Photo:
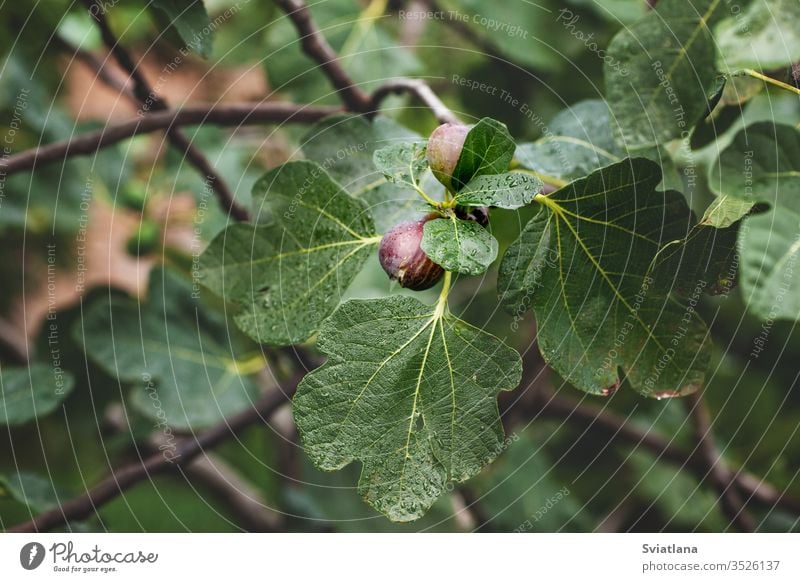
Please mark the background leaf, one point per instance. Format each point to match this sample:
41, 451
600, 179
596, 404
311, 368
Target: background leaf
577, 141
190, 19
762, 164
764, 37
769, 245
666, 73
28, 393
186, 368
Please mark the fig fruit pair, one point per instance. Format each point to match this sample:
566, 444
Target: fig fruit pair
400, 253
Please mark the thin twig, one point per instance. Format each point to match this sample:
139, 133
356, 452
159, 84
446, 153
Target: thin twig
98, 66
150, 101
233, 114
123, 478
317, 48
419, 89
472, 503
245, 503
721, 477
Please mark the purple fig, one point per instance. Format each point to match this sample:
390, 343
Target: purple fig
403, 259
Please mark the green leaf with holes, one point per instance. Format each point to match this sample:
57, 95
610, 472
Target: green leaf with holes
186, 365
661, 71
462, 246
402, 163
288, 273
582, 264
510, 190
411, 392
33, 392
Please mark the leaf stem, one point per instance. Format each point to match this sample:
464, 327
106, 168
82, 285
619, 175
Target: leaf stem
552, 180
755, 74
249, 365
427, 198
441, 303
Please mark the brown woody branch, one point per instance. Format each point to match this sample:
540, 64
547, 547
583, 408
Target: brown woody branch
149, 100
421, 91
317, 48
243, 501
613, 425
234, 114
125, 477
722, 478
98, 66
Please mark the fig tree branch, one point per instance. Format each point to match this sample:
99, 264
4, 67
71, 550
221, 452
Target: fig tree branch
722, 478
421, 91
317, 48
232, 114
150, 101
614, 426
244, 502
98, 66
125, 477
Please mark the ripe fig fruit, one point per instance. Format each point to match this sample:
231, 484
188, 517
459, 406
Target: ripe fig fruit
444, 149
403, 259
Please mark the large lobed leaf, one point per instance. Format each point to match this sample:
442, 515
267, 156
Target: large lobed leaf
410, 391
186, 368
582, 264
289, 273
661, 71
